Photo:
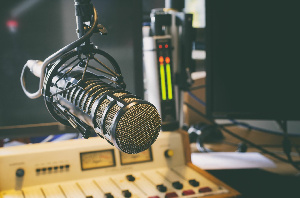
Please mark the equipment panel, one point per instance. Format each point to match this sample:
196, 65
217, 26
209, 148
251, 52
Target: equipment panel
92, 168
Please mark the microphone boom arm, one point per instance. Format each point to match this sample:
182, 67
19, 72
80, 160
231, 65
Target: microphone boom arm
84, 36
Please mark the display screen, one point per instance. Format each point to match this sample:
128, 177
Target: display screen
145, 156
252, 65
97, 159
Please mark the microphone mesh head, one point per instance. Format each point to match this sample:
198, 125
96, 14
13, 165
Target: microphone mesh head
133, 127
137, 129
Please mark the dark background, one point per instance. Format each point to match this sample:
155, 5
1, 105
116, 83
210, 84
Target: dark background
253, 60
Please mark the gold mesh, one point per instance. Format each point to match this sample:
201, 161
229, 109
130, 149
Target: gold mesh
101, 110
119, 94
138, 128
128, 100
100, 93
110, 117
88, 90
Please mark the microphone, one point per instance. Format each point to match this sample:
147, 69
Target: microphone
91, 102
84, 88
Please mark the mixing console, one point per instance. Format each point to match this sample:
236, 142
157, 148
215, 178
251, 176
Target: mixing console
94, 169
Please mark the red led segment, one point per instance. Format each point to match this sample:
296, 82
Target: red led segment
161, 59
160, 46
12, 23
188, 192
166, 45
205, 189
167, 60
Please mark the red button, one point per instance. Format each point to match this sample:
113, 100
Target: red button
188, 192
205, 189
171, 194
154, 197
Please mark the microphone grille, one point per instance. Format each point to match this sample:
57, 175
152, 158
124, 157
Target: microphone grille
133, 128
137, 129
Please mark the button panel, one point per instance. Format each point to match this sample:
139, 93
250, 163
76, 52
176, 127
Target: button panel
52, 169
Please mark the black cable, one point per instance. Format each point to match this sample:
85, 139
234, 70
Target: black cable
197, 87
234, 122
195, 110
241, 138
286, 143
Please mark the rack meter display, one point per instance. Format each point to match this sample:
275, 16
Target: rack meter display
97, 159
145, 156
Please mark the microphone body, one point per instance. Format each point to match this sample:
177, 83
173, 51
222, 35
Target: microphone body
92, 104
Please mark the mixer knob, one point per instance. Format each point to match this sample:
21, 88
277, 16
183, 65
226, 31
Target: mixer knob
177, 185
194, 182
130, 178
108, 195
161, 188
20, 172
126, 193
169, 153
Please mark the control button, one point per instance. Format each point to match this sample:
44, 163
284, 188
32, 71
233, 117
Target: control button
205, 189
55, 167
169, 153
61, 167
171, 195
44, 169
49, 168
89, 196
154, 197
37, 170
161, 188
126, 193
188, 192
20, 172
177, 185
108, 195
194, 182
67, 166
130, 178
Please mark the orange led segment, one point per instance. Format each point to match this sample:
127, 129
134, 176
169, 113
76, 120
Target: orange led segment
167, 60
161, 59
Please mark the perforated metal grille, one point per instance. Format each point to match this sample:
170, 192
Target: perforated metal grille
101, 110
100, 93
89, 100
119, 94
128, 100
110, 117
138, 128
88, 90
